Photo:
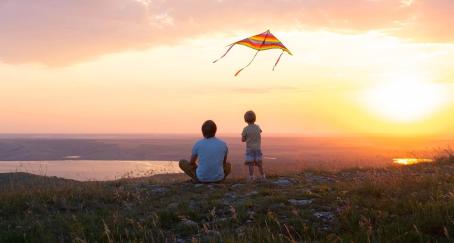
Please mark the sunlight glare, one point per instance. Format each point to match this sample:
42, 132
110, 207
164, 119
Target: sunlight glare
405, 99
410, 161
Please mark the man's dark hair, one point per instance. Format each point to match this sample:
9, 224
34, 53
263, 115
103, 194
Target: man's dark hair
209, 129
249, 117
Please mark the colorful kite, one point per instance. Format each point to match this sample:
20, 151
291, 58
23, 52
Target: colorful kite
260, 42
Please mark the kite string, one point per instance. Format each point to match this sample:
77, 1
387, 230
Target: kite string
263, 42
236, 74
224, 53
278, 59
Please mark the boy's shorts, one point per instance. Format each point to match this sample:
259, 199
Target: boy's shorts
253, 157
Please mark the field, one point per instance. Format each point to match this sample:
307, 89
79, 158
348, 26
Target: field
392, 204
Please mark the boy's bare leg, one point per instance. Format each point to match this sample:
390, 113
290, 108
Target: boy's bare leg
250, 178
188, 169
262, 174
251, 170
259, 164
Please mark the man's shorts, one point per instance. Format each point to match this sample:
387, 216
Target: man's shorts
253, 157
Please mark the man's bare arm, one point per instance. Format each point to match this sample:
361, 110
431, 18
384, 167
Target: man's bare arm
225, 158
193, 159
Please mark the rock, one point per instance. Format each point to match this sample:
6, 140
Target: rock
198, 185
230, 195
158, 189
240, 230
193, 205
251, 193
220, 220
283, 182
250, 214
302, 202
173, 206
277, 207
189, 223
236, 186
319, 179
307, 191
324, 216
211, 236
178, 240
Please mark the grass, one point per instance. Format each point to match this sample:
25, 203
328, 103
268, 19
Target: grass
394, 204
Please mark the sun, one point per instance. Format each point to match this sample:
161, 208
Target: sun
404, 99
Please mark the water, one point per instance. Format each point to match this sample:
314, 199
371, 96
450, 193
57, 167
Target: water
411, 161
85, 170
111, 157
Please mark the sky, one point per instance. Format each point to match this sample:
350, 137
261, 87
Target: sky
145, 66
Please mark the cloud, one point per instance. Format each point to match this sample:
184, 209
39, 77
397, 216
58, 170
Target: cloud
264, 90
62, 32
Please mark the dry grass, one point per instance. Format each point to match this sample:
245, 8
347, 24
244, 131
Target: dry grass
395, 204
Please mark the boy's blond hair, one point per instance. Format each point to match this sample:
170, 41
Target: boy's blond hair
249, 117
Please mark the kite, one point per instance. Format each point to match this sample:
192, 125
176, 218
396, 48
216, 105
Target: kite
260, 42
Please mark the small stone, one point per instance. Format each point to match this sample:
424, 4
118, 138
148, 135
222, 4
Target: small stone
251, 193
236, 186
283, 182
250, 214
158, 189
173, 206
189, 223
212, 234
324, 216
178, 240
193, 205
302, 202
198, 185
240, 230
277, 207
230, 195
319, 179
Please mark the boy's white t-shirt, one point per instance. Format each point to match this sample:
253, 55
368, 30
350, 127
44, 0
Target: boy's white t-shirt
252, 134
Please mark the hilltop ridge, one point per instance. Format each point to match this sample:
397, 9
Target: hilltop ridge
405, 204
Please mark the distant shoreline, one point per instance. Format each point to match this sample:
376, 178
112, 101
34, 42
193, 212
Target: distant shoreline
198, 135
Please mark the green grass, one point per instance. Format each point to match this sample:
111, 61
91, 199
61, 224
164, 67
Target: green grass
395, 204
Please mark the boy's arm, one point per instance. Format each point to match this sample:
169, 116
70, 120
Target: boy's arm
243, 136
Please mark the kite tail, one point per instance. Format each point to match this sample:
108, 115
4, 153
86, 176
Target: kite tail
263, 42
224, 53
278, 60
236, 74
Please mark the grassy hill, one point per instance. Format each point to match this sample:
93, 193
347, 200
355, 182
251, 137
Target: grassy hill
395, 204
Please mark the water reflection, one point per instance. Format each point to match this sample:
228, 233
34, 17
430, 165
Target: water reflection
410, 161
85, 170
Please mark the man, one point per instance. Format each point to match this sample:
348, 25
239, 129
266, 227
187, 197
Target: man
211, 154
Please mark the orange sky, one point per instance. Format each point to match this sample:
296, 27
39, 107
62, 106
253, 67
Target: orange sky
138, 66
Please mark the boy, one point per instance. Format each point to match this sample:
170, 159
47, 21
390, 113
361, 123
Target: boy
252, 136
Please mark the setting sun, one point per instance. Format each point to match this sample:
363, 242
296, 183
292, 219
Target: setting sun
405, 99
